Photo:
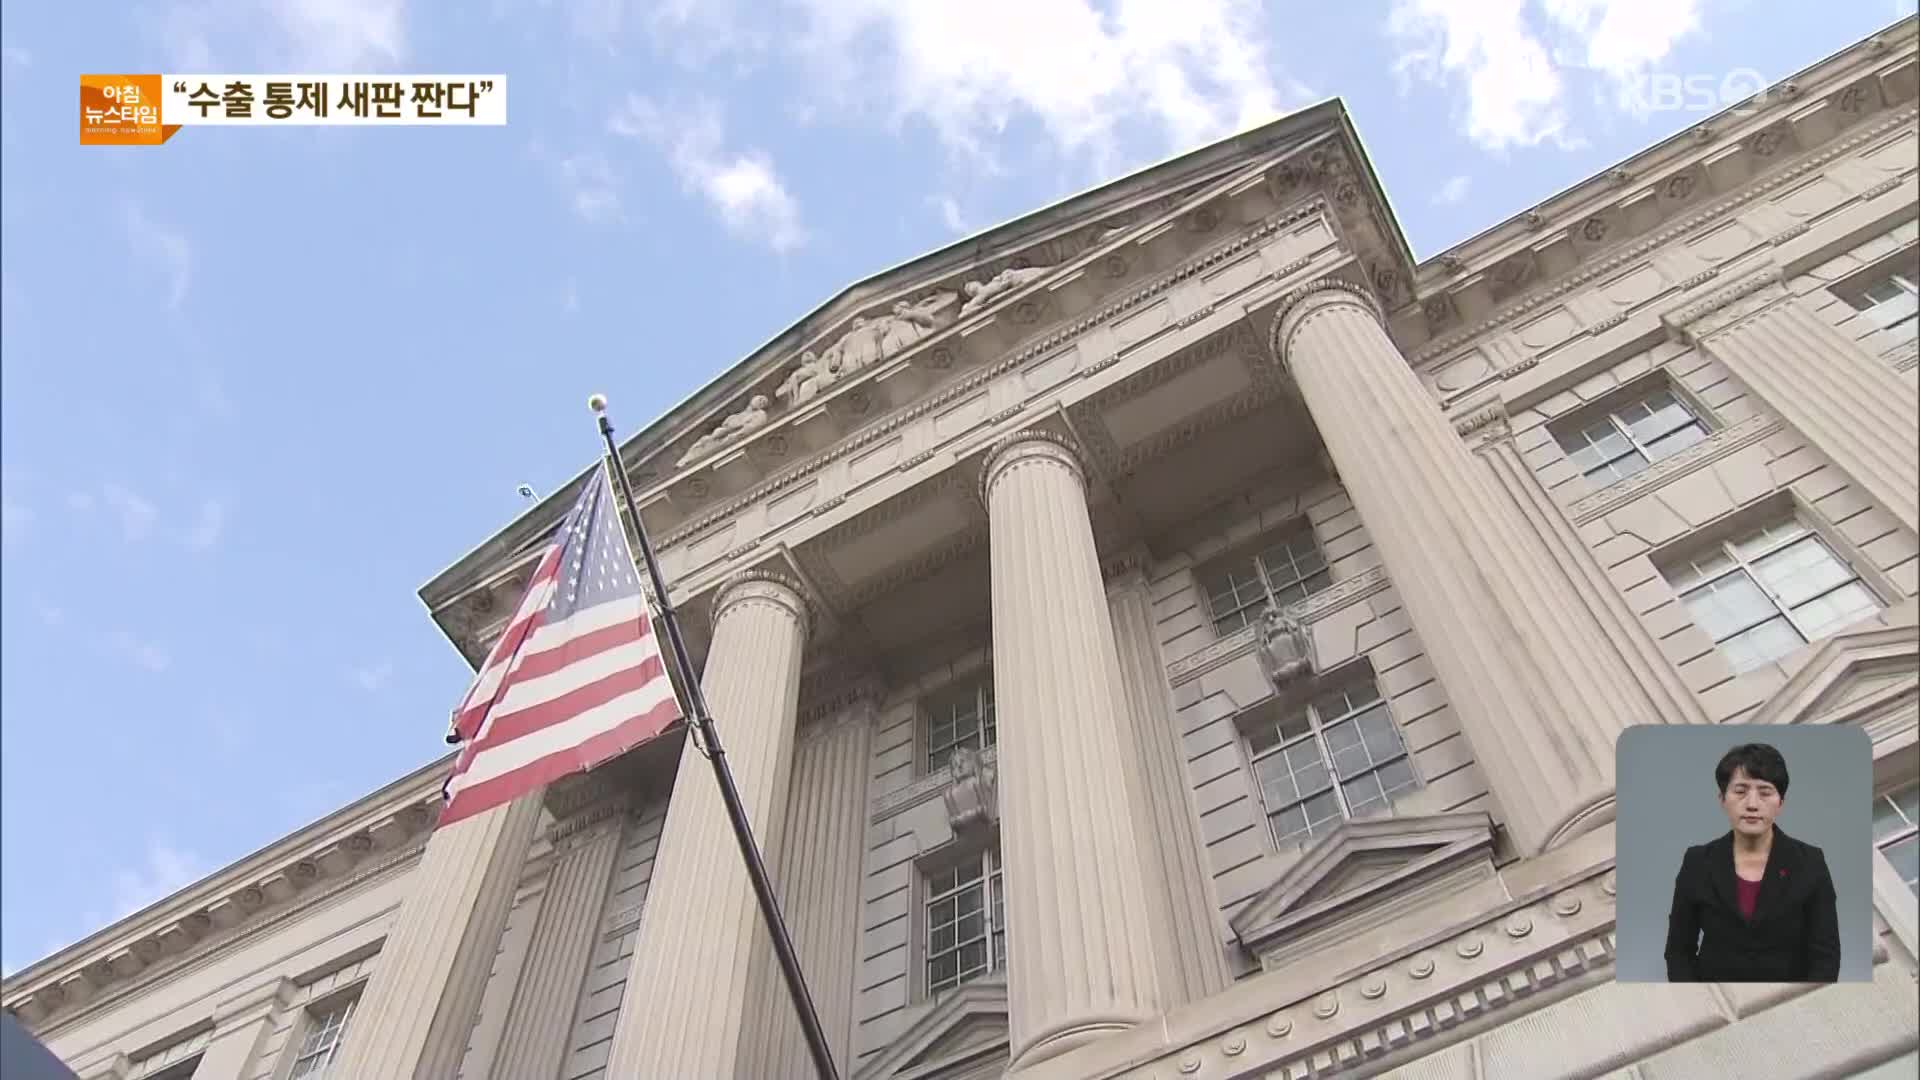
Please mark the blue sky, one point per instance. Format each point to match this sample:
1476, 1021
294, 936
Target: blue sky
257, 386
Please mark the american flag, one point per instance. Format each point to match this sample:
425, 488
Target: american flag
576, 679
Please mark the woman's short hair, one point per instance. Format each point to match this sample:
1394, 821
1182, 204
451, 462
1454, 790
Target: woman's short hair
1760, 762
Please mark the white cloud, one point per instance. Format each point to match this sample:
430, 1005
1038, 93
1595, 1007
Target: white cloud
570, 298
372, 678
165, 247
588, 181
1623, 40
1194, 71
742, 186
1513, 90
13, 56
144, 654
80, 501
208, 527
1452, 191
136, 513
343, 35
949, 213
164, 871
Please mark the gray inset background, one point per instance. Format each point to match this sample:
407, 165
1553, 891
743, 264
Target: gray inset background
1668, 802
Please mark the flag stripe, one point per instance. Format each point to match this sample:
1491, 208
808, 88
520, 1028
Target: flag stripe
592, 642
491, 761
622, 678
483, 795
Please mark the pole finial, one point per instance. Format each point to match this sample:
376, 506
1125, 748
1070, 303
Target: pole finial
598, 403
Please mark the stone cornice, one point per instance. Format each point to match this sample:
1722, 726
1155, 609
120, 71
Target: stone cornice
969, 384
1723, 307
281, 879
1749, 193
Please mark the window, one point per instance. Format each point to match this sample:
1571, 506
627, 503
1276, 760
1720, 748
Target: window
1347, 725
1764, 594
1888, 300
325, 1030
966, 922
1629, 435
182, 1070
960, 717
1288, 568
1895, 817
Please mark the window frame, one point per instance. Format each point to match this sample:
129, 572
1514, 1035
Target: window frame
1254, 552
987, 855
312, 1017
1725, 544
979, 684
1275, 713
1609, 407
1881, 312
1908, 831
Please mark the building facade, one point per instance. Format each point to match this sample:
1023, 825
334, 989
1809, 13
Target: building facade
1176, 634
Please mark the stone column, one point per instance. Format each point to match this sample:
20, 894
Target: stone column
1851, 407
240, 1027
1654, 676
687, 986
1186, 936
419, 1007
534, 1039
821, 865
1080, 964
1537, 685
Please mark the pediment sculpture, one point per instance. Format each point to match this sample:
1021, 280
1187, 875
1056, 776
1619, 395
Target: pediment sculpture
805, 381
982, 293
1286, 651
972, 798
751, 418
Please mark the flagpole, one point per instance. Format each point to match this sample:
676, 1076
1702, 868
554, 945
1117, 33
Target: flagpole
709, 739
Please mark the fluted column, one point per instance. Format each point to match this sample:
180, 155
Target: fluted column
1653, 675
1849, 406
534, 1039
418, 1009
820, 869
1079, 960
1185, 938
1539, 690
687, 986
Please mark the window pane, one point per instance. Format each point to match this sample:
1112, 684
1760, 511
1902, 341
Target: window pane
1289, 825
1323, 810
1763, 644
1397, 776
1836, 609
1276, 782
1801, 570
1887, 819
1905, 857
1727, 605
1383, 738
1908, 800
1755, 543
1671, 444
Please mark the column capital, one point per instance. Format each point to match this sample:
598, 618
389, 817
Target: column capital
1485, 424
1312, 297
1029, 445
766, 586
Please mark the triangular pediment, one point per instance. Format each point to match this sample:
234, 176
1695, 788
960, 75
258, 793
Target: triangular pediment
967, 1028
1851, 678
1359, 864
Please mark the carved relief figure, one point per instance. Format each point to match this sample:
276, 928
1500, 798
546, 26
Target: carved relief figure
751, 418
858, 349
972, 799
1285, 652
807, 379
912, 323
980, 294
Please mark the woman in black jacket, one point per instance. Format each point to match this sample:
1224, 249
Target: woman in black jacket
1755, 905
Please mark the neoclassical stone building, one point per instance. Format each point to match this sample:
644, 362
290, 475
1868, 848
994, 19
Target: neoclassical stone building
1177, 635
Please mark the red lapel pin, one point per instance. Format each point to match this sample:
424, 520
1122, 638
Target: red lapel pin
1783, 873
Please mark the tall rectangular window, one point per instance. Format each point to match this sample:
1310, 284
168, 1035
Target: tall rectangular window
966, 922
1626, 436
1896, 832
1339, 756
959, 717
1765, 593
1287, 567
326, 1028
